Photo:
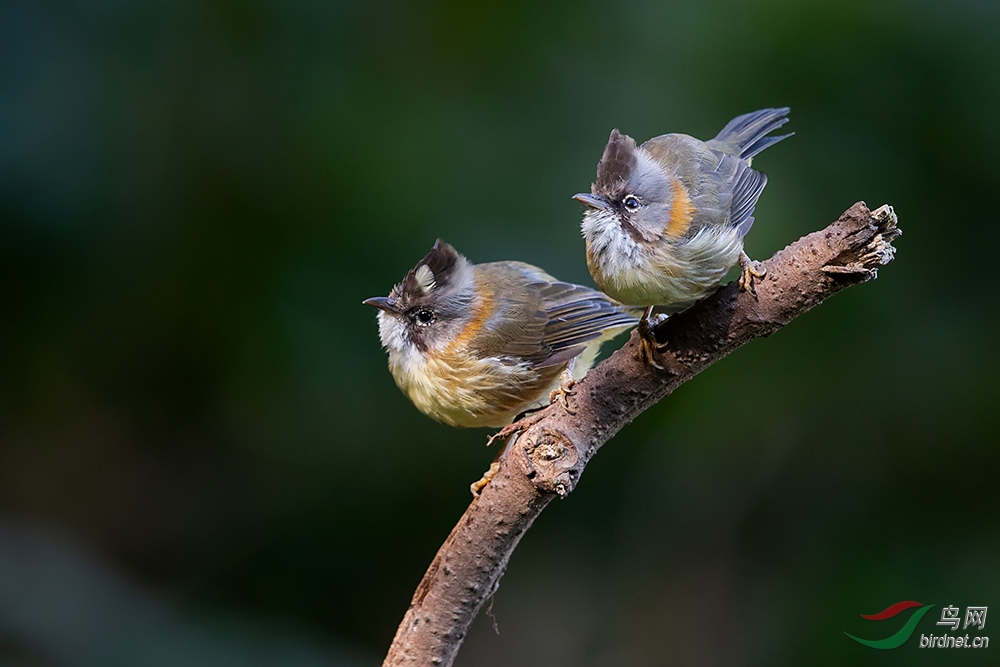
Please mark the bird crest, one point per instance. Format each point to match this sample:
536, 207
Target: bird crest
434, 272
617, 164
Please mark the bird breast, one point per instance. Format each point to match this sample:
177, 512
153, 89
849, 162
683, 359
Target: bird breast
663, 272
461, 390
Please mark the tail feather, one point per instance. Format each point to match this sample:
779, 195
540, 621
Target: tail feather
746, 135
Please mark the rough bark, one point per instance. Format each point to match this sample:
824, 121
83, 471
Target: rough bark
548, 456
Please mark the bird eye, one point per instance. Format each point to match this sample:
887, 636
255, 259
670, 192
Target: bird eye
631, 202
423, 317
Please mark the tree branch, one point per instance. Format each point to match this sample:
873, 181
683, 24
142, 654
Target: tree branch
546, 460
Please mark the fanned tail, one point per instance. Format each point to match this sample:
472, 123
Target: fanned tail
746, 135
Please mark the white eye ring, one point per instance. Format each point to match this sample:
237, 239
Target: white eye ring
424, 317
631, 202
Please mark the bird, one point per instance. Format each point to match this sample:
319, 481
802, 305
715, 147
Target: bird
475, 345
665, 220
478, 345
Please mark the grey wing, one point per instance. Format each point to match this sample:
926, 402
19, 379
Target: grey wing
544, 321
726, 190
577, 315
749, 184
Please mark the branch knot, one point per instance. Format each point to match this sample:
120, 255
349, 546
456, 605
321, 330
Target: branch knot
551, 459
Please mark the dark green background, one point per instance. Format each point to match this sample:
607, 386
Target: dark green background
204, 461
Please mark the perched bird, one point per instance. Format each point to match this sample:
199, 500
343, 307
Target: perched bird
666, 219
478, 344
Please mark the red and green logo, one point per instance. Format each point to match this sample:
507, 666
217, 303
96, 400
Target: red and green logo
899, 638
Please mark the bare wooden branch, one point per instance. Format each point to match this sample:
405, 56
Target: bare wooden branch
546, 460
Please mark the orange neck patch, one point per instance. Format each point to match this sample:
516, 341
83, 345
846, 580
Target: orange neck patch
681, 211
479, 316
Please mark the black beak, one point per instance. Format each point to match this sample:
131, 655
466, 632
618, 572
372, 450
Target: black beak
383, 303
592, 201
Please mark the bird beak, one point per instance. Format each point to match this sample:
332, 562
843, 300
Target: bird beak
383, 303
592, 201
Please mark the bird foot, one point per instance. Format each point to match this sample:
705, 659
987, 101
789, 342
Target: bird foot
480, 484
509, 433
648, 345
525, 420
564, 391
749, 270
504, 433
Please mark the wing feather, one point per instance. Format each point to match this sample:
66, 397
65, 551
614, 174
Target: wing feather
547, 322
578, 315
737, 186
746, 191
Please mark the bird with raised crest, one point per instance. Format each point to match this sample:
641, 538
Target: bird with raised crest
479, 344
666, 219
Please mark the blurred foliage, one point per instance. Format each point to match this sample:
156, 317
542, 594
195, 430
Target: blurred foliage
196, 196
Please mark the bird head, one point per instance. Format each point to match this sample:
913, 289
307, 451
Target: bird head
632, 194
430, 306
